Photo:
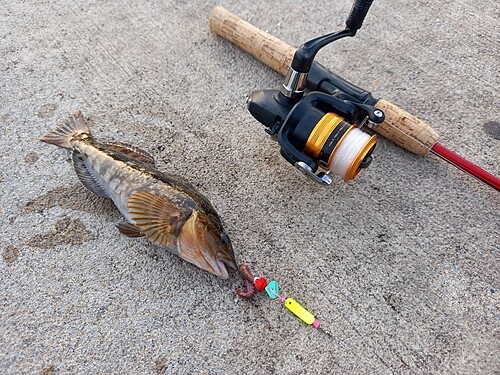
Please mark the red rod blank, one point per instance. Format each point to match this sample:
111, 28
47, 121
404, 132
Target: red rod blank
466, 166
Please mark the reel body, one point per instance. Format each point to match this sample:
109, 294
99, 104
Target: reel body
316, 116
322, 129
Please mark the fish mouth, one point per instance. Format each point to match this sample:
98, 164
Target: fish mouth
223, 274
219, 267
227, 266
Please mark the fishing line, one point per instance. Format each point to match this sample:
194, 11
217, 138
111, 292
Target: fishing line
347, 152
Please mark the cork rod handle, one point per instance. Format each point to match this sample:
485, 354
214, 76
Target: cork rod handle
399, 126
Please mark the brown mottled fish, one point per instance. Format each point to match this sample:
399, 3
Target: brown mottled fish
164, 208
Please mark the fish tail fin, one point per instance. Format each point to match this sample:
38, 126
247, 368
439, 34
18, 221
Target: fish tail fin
62, 135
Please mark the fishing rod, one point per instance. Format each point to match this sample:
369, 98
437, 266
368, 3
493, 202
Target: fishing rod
318, 118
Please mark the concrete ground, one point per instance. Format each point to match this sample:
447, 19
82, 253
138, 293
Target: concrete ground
401, 266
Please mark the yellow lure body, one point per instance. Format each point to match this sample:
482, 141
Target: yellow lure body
299, 311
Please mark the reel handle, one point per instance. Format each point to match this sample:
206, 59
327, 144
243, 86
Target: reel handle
399, 126
358, 13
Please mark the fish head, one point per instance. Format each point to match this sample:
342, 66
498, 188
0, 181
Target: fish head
203, 242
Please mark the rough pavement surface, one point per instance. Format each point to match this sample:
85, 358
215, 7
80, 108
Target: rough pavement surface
400, 265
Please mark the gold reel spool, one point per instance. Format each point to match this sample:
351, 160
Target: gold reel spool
339, 146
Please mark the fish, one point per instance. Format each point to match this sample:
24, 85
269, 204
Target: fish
164, 208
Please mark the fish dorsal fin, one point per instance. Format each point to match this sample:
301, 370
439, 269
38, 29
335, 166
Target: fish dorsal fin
86, 177
159, 220
132, 152
187, 187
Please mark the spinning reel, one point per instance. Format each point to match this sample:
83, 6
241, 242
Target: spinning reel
316, 116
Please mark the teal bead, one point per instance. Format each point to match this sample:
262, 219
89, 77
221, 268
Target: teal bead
272, 289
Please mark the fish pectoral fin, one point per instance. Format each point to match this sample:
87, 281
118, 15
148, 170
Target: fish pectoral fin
159, 220
132, 152
86, 178
129, 230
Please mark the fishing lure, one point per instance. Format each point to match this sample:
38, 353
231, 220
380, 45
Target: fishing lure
271, 287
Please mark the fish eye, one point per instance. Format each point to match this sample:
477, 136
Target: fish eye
224, 238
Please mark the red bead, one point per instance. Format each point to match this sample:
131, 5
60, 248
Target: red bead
260, 283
